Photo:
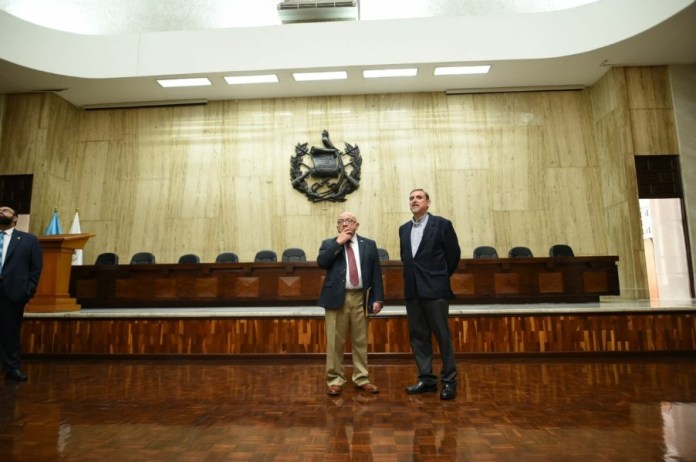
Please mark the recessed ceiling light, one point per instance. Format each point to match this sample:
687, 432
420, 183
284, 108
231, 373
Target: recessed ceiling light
377, 73
242, 79
306, 76
462, 70
195, 82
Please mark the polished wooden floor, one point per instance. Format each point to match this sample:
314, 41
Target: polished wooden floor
522, 409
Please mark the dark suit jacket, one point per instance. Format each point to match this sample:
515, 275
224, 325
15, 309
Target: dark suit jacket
22, 267
332, 258
435, 261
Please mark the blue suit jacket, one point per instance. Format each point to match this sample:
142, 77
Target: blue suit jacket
427, 273
332, 258
22, 266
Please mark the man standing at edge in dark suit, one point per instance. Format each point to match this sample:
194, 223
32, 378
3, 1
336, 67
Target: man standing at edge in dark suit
430, 254
352, 287
21, 264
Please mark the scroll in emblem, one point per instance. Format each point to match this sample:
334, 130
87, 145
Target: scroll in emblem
335, 174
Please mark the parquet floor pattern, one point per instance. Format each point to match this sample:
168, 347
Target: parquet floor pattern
529, 409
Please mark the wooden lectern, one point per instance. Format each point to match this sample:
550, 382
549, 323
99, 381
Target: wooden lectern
52, 293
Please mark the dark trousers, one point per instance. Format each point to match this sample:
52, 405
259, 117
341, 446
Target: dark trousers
11, 315
425, 318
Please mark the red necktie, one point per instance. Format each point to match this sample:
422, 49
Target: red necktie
352, 266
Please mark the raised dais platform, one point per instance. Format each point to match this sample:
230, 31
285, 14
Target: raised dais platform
610, 326
502, 306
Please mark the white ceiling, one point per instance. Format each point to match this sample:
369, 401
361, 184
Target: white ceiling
128, 16
94, 52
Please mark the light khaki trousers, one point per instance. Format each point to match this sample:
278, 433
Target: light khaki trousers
350, 316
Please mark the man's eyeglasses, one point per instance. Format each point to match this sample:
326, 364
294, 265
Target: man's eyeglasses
347, 221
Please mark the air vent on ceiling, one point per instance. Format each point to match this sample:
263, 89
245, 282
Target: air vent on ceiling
292, 11
145, 104
468, 91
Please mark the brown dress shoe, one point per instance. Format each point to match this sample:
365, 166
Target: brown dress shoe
334, 390
369, 387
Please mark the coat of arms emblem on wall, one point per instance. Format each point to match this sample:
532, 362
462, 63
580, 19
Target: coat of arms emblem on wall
334, 173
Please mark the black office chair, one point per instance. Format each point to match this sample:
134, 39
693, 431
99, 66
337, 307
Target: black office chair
265, 256
383, 254
561, 250
294, 254
485, 251
520, 252
107, 258
189, 258
227, 257
142, 258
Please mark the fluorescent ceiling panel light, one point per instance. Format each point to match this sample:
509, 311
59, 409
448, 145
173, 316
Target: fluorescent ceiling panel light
462, 70
195, 82
307, 76
243, 79
378, 73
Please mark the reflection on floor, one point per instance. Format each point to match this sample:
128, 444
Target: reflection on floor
531, 409
679, 426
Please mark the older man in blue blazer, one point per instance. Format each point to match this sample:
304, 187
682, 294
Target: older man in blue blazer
430, 254
352, 289
21, 263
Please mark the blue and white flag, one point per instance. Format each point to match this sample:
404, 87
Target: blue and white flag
75, 229
54, 225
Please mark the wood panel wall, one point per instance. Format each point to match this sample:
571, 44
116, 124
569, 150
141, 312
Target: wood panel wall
509, 334
530, 169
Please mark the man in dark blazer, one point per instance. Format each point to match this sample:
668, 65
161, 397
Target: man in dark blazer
21, 262
347, 297
430, 254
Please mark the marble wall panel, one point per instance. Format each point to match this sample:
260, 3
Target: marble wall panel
683, 85
509, 169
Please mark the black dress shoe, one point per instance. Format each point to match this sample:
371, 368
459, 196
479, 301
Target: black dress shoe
16, 374
449, 391
421, 387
